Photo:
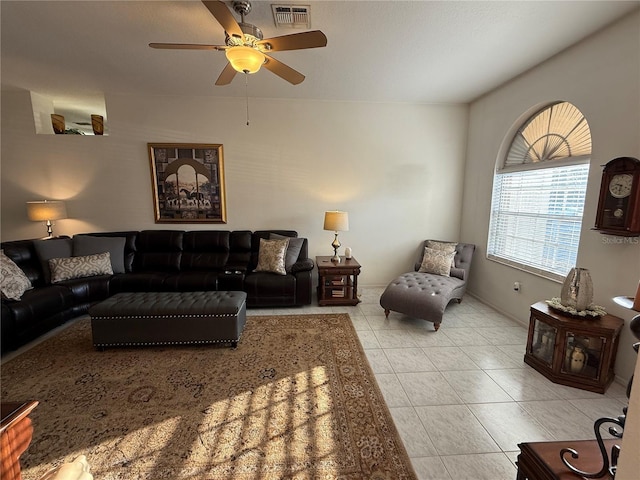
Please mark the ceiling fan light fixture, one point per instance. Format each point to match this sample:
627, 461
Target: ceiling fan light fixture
245, 59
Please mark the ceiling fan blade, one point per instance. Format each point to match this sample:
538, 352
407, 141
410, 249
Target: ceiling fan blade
187, 46
283, 71
295, 41
226, 76
224, 16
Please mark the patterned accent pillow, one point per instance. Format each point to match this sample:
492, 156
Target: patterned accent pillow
293, 249
13, 281
78, 267
271, 256
444, 246
437, 262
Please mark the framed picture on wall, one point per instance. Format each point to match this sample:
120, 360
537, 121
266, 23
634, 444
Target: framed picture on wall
188, 183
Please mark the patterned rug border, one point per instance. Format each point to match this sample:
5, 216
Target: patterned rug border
380, 442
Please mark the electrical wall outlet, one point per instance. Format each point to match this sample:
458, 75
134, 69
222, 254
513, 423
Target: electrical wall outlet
516, 286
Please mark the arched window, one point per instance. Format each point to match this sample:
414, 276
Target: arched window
538, 193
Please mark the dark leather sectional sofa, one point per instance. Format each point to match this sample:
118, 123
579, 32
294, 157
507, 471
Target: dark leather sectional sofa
155, 260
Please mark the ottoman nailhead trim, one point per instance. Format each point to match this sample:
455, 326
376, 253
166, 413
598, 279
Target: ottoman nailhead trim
186, 342
195, 315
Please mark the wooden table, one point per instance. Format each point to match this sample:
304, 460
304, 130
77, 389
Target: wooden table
15, 435
337, 281
541, 460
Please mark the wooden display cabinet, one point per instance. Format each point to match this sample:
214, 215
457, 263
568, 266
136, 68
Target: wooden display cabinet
574, 351
337, 282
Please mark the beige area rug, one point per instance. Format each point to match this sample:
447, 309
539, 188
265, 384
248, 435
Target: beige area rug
296, 400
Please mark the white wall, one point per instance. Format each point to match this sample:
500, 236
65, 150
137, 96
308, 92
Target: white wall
397, 169
601, 76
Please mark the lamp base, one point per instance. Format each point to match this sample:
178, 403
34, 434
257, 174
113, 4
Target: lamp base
336, 245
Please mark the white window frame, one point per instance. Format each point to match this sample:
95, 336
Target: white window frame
528, 229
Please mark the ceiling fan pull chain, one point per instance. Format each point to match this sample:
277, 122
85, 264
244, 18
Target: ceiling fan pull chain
246, 92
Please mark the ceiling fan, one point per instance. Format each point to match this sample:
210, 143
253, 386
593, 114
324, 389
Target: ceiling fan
245, 48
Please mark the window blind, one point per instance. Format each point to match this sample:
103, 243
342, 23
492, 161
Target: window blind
536, 218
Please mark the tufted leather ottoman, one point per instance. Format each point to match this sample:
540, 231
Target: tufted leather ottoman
421, 295
168, 318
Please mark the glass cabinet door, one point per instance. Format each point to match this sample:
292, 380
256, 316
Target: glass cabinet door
544, 341
583, 355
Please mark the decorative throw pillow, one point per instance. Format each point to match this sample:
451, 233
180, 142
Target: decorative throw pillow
293, 250
271, 256
91, 244
13, 281
444, 246
79, 267
51, 248
437, 262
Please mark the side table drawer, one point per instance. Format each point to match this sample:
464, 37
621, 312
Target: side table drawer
339, 271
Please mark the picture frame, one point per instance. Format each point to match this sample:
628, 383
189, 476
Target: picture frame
188, 182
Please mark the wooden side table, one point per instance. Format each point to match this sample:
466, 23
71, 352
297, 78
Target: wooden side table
15, 436
337, 282
541, 460
578, 352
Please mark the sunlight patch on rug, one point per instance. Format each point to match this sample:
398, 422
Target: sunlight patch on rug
296, 399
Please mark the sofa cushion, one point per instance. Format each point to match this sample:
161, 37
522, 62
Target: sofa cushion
293, 249
52, 248
265, 289
89, 244
79, 267
205, 250
39, 304
192, 281
130, 248
139, 282
158, 251
271, 256
437, 262
13, 281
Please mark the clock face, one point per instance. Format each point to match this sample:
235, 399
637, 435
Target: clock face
620, 185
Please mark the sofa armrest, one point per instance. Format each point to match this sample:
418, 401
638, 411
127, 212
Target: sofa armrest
302, 266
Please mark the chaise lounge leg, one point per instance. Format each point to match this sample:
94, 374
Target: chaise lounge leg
436, 326
386, 313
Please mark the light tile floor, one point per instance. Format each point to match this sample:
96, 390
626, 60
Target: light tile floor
462, 398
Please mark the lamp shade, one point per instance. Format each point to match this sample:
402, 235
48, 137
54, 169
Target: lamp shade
245, 59
336, 221
43, 210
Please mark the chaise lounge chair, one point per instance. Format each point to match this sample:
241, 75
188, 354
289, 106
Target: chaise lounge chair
426, 292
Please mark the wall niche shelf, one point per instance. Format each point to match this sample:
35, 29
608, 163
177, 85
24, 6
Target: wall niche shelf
82, 115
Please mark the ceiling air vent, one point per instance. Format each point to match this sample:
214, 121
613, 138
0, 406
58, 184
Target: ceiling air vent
291, 16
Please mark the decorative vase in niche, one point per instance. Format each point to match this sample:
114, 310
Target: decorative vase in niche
57, 122
577, 289
97, 123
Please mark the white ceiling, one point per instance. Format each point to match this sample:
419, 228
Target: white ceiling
380, 51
